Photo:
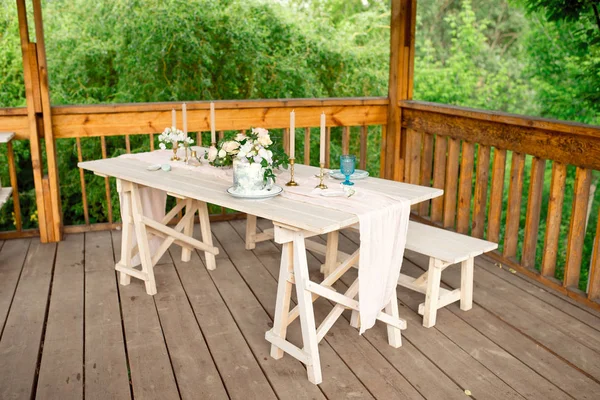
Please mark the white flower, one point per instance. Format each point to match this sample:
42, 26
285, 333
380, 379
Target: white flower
162, 146
265, 140
260, 132
266, 154
212, 154
257, 159
230, 146
222, 153
240, 136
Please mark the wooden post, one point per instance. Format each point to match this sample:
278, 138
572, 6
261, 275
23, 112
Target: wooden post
402, 46
40, 124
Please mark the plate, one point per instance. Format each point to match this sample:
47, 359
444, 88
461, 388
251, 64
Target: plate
358, 174
265, 194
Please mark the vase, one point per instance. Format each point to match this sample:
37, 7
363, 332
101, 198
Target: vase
248, 178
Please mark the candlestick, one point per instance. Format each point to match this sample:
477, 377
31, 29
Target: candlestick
292, 182
321, 185
292, 135
184, 112
213, 134
322, 139
173, 118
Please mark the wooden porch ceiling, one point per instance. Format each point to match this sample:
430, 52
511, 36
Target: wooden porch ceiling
67, 329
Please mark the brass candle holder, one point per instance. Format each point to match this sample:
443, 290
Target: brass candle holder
321, 185
292, 182
174, 157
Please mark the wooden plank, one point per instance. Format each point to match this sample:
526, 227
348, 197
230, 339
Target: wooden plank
106, 365
575, 240
451, 184
12, 258
481, 191
534, 205
12, 172
24, 329
364, 151
579, 146
87, 121
465, 188
496, 195
239, 370
594, 273
439, 176
16, 123
61, 368
426, 170
513, 212
555, 205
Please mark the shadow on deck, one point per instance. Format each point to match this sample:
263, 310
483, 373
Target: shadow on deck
69, 330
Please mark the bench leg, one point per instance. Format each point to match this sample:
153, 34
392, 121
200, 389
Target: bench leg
466, 284
250, 232
432, 295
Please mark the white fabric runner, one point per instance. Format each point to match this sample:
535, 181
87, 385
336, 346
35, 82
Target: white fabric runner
383, 223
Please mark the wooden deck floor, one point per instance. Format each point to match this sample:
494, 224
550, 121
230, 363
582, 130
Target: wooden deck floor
68, 331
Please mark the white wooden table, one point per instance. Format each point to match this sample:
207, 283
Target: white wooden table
294, 221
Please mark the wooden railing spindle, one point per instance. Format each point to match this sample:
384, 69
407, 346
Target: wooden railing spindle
481, 188
413, 162
534, 205
465, 188
451, 187
439, 176
496, 195
513, 213
12, 172
426, 169
127, 144
555, 205
307, 146
594, 273
346, 140
86, 211
106, 182
152, 142
363, 147
583, 180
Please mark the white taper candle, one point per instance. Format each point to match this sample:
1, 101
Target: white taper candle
184, 112
292, 134
213, 134
322, 138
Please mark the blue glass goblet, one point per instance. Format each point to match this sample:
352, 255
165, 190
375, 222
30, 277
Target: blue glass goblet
347, 166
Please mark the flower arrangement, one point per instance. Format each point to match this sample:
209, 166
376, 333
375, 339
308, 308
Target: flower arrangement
257, 147
173, 136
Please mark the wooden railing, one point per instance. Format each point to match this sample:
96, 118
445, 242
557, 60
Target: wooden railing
466, 152
114, 129
505, 177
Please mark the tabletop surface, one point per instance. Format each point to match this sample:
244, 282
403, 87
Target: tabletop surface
314, 218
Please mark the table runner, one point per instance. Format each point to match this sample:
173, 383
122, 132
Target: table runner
383, 224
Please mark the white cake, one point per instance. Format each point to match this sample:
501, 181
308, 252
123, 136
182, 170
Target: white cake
248, 178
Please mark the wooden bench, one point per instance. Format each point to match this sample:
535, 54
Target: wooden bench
5, 192
444, 248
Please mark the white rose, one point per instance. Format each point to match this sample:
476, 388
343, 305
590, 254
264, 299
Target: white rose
260, 132
212, 154
222, 153
162, 146
240, 136
230, 146
257, 159
265, 140
266, 155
